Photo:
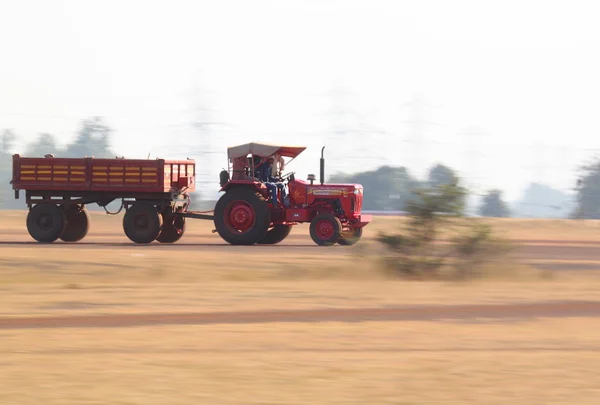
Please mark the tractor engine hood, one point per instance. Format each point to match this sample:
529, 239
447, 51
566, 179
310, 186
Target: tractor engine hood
335, 189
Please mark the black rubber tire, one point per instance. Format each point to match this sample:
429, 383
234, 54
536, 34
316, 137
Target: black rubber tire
350, 238
336, 229
46, 222
173, 228
276, 234
142, 223
255, 203
78, 224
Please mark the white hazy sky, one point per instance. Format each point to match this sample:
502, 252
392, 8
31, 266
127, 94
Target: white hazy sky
523, 74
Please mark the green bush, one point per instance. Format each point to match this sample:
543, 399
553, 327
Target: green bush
438, 241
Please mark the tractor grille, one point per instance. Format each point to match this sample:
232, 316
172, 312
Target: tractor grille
357, 204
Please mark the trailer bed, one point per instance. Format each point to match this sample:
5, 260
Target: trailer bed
102, 175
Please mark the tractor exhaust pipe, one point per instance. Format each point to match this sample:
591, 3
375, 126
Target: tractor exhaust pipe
322, 174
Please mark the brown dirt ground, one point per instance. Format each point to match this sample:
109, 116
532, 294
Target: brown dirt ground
106, 260
419, 313
106, 321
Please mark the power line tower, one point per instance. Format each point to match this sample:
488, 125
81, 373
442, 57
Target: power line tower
472, 154
341, 116
471, 173
205, 148
349, 135
416, 137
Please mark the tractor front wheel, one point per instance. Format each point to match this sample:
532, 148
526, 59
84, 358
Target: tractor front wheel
173, 228
142, 223
325, 229
78, 224
350, 237
46, 222
276, 234
242, 216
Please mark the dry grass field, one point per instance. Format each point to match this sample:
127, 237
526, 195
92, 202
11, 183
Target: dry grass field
545, 360
536, 362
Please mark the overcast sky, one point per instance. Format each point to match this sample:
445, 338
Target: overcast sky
521, 74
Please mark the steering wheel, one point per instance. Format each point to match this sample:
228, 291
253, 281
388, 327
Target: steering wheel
287, 176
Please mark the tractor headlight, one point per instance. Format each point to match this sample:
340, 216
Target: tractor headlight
358, 191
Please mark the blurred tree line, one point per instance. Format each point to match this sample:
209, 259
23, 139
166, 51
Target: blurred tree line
386, 189
588, 192
393, 189
92, 139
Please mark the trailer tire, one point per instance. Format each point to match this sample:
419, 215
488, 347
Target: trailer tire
142, 223
173, 228
325, 229
46, 222
276, 234
242, 216
78, 224
350, 238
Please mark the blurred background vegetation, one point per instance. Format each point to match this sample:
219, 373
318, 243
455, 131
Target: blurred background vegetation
387, 188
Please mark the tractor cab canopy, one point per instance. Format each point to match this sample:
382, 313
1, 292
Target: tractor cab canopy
263, 150
247, 156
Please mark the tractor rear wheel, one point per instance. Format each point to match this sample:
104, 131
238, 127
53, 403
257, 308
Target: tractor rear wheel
46, 222
325, 229
78, 223
142, 223
350, 237
242, 217
173, 228
276, 234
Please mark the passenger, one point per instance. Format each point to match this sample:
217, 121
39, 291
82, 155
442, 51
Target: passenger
278, 166
265, 175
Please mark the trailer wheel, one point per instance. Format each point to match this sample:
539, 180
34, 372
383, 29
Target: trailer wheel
46, 222
325, 229
351, 237
242, 217
142, 223
78, 224
276, 234
173, 228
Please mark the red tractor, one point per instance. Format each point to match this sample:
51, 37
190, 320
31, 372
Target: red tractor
246, 213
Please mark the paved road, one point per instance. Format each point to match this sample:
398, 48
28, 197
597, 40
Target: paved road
420, 313
535, 250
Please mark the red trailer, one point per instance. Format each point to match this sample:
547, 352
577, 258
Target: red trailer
58, 189
156, 196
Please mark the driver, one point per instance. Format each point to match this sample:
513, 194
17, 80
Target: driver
265, 175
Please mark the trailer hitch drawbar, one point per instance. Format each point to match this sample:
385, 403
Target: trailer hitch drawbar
196, 215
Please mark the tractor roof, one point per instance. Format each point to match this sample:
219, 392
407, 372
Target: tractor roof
263, 150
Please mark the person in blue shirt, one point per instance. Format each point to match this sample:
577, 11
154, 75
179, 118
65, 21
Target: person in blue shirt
264, 174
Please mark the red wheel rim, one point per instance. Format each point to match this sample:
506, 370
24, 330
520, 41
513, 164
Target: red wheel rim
325, 229
239, 216
178, 225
